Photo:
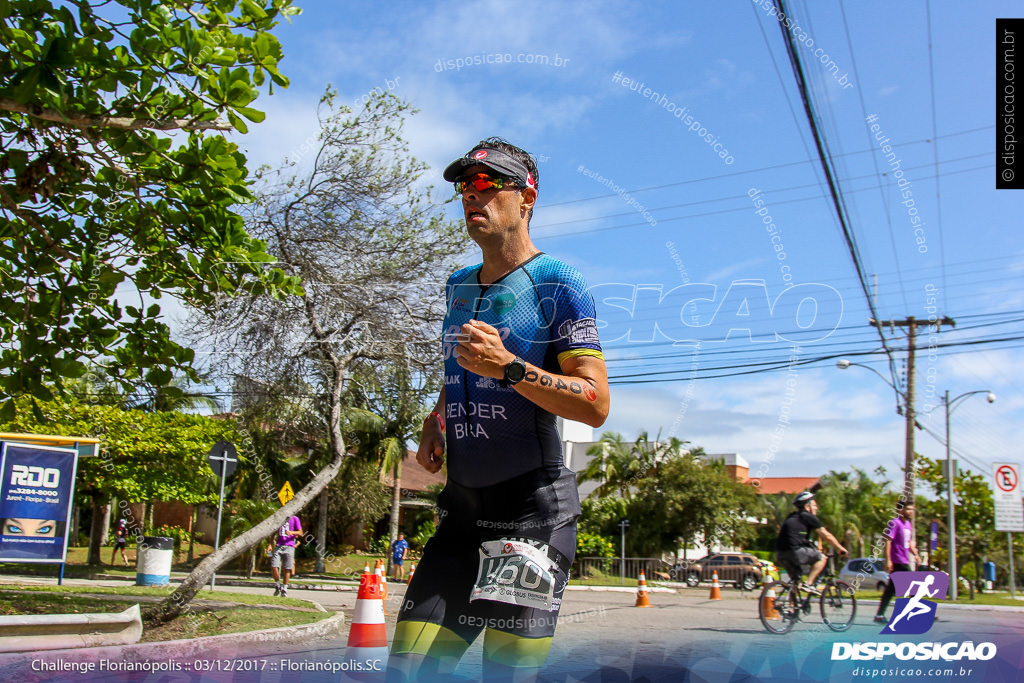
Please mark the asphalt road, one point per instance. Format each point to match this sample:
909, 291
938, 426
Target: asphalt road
714, 640
602, 636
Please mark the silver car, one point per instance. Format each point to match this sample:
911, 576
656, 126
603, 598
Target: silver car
865, 572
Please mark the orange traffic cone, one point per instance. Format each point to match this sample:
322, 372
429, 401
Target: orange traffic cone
641, 592
379, 571
368, 637
366, 567
768, 605
716, 589
412, 570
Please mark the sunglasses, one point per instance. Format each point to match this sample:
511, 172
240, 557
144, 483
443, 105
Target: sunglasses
483, 181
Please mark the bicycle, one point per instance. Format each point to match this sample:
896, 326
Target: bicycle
836, 602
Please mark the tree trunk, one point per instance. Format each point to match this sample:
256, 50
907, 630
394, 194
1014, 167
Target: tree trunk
321, 534
107, 511
192, 534
396, 503
150, 509
97, 530
75, 519
175, 603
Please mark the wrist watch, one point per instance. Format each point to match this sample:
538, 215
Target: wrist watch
514, 372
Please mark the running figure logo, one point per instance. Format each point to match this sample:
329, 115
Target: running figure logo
914, 613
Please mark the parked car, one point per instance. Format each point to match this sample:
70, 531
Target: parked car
739, 569
865, 572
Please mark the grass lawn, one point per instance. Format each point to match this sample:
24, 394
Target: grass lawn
161, 592
198, 622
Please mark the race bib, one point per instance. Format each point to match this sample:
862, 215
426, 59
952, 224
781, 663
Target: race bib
517, 572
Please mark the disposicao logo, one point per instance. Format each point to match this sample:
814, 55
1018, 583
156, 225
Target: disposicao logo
914, 613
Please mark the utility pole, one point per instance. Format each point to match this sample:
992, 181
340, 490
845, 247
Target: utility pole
911, 324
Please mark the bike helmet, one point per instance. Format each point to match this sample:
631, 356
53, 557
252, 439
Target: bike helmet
803, 499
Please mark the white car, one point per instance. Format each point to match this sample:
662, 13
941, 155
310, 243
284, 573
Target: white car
865, 572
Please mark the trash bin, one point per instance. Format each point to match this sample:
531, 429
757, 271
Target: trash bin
988, 570
153, 563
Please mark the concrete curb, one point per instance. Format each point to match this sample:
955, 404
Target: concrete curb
166, 651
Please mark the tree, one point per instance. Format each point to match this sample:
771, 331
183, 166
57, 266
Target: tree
143, 456
113, 172
618, 465
364, 241
975, 512
670, 494
394, 399
854, 507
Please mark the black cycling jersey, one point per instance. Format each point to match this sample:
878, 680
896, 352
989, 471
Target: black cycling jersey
795, 529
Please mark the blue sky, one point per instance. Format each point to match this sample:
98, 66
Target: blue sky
642, 202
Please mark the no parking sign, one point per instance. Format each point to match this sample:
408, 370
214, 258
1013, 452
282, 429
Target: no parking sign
1009, 509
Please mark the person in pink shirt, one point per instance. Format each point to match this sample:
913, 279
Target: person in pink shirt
282, 560
899, 548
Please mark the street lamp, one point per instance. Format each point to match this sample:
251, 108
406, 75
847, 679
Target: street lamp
908, 413
950, 405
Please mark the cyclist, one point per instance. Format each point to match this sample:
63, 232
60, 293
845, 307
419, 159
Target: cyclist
794, 547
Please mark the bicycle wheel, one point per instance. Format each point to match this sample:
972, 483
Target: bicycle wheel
778, 614
838, 605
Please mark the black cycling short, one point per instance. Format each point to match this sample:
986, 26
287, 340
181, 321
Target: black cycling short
792, 560
500, 560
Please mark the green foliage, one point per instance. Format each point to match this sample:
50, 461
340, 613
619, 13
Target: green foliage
855, 508
357, 496
143, 456
619, 465
179, 535
96, 195
671, 496
686, 499
380, 546
976, 536
601, 516
592, 545
423, 533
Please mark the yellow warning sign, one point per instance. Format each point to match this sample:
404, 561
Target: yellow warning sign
286, 493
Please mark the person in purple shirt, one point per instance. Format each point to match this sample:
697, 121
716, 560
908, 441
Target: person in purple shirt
282, 559
899, 548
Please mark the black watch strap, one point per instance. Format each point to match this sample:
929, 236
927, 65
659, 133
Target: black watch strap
514, 372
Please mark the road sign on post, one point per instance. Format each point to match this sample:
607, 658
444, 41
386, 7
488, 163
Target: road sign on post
1006, 495
223, 459
286, 493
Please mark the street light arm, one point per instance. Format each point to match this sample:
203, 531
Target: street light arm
953, 403
843, 364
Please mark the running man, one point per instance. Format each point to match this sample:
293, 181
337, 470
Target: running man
520, 347
794, 548
120, 541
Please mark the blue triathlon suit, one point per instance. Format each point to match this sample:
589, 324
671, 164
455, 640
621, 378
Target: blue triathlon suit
506, 475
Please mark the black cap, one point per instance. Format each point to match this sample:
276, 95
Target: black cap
495, 160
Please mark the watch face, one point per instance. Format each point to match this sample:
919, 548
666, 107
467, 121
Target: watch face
515, 371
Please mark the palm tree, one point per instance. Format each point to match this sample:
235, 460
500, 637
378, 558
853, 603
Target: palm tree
619, 465
171, 397
246, 514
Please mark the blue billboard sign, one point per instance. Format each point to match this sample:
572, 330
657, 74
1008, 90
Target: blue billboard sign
37, 485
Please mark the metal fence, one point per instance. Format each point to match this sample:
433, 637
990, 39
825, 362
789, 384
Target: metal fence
618, 571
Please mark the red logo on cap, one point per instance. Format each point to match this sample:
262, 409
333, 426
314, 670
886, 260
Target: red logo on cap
507, 549
480, 154
529, 179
